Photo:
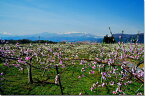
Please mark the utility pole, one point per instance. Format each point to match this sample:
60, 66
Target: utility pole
110, 31
122, 36
137, 37
39, 38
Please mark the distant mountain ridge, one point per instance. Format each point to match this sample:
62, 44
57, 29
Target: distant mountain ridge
71, 37
128, 37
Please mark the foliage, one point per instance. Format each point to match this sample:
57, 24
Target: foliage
107, 39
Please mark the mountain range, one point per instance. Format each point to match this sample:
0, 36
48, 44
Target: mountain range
57, 37
128, 37
70, 37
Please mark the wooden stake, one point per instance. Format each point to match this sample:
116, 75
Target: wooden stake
59, 80
30, 80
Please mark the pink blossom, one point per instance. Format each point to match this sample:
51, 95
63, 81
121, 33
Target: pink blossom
141, 74
27, 58
103, 84
82, 62
66, 58
83, 75
119, 84
125, 84
103, 75
91, 72
6, 64
125, 62
17, 44
20, 61
63, 66
91, 88
97, 59
79, 76
16, 65
121, 57
52, 60
119, 43
110, 61
94, 63
55, 53
114, 92
120, 90
129, 82
94, 67
60, 62
50, 50
111, 83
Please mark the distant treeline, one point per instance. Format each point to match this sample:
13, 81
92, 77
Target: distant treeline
25, 41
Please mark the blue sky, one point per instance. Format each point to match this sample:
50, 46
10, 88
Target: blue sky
91, 16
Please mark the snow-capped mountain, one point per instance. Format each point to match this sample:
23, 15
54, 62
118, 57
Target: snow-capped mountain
57, 37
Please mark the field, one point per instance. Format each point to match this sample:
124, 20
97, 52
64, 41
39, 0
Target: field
83, 69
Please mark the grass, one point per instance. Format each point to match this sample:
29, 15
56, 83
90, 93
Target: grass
16, 83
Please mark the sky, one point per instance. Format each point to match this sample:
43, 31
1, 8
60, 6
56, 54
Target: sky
23, 17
